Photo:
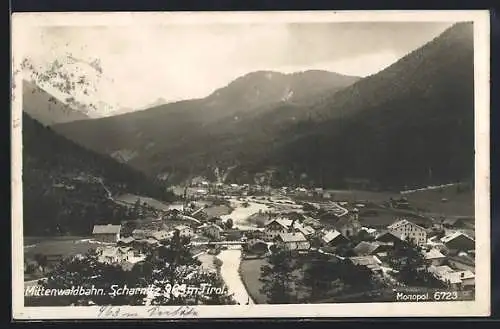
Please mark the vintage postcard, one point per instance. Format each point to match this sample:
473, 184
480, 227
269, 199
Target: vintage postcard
257, 164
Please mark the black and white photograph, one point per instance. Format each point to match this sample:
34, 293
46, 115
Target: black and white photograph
176, 165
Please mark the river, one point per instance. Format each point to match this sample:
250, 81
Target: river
231, 259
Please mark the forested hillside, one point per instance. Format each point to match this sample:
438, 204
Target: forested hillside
409, 125
64, 185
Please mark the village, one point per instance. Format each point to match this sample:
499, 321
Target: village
242, 225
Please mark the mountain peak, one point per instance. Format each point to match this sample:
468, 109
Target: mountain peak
257, 88
78, 83
46, 108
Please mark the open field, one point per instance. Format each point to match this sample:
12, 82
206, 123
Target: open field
382, 217
250, 274
218, 211
358, 195
130, 199
424, 204
458, 204
445, 201
67, 246
31, 240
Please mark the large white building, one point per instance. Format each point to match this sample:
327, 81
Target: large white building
275, 227
407, 230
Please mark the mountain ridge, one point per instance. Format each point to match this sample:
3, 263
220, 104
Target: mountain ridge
434, 100
133, 132
420, 100
429, 92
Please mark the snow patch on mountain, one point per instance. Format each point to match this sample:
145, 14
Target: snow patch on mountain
124, 155
77, 83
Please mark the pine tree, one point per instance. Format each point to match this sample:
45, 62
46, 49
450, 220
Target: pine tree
229, 223
278, 278
317, 277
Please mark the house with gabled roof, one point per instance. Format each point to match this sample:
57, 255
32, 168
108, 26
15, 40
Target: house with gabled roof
162, 235
452, 278
333, 238
434, 256
107, 255
141, 233
212, 231
463, 262
114, 254
293, 241
275, 227
409, 231
126, 241
388, 237
371, 262
458, 241
106, 233
306, 230
184, 230
366, 248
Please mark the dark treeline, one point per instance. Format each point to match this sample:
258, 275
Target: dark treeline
410, 125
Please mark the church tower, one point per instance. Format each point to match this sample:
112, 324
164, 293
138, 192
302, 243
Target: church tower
355, 214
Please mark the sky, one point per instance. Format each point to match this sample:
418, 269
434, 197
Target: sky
144, 63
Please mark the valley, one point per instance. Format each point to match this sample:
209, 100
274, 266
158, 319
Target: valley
259, 186
381, 129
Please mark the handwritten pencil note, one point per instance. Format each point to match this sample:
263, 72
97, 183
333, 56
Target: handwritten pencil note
117, 312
